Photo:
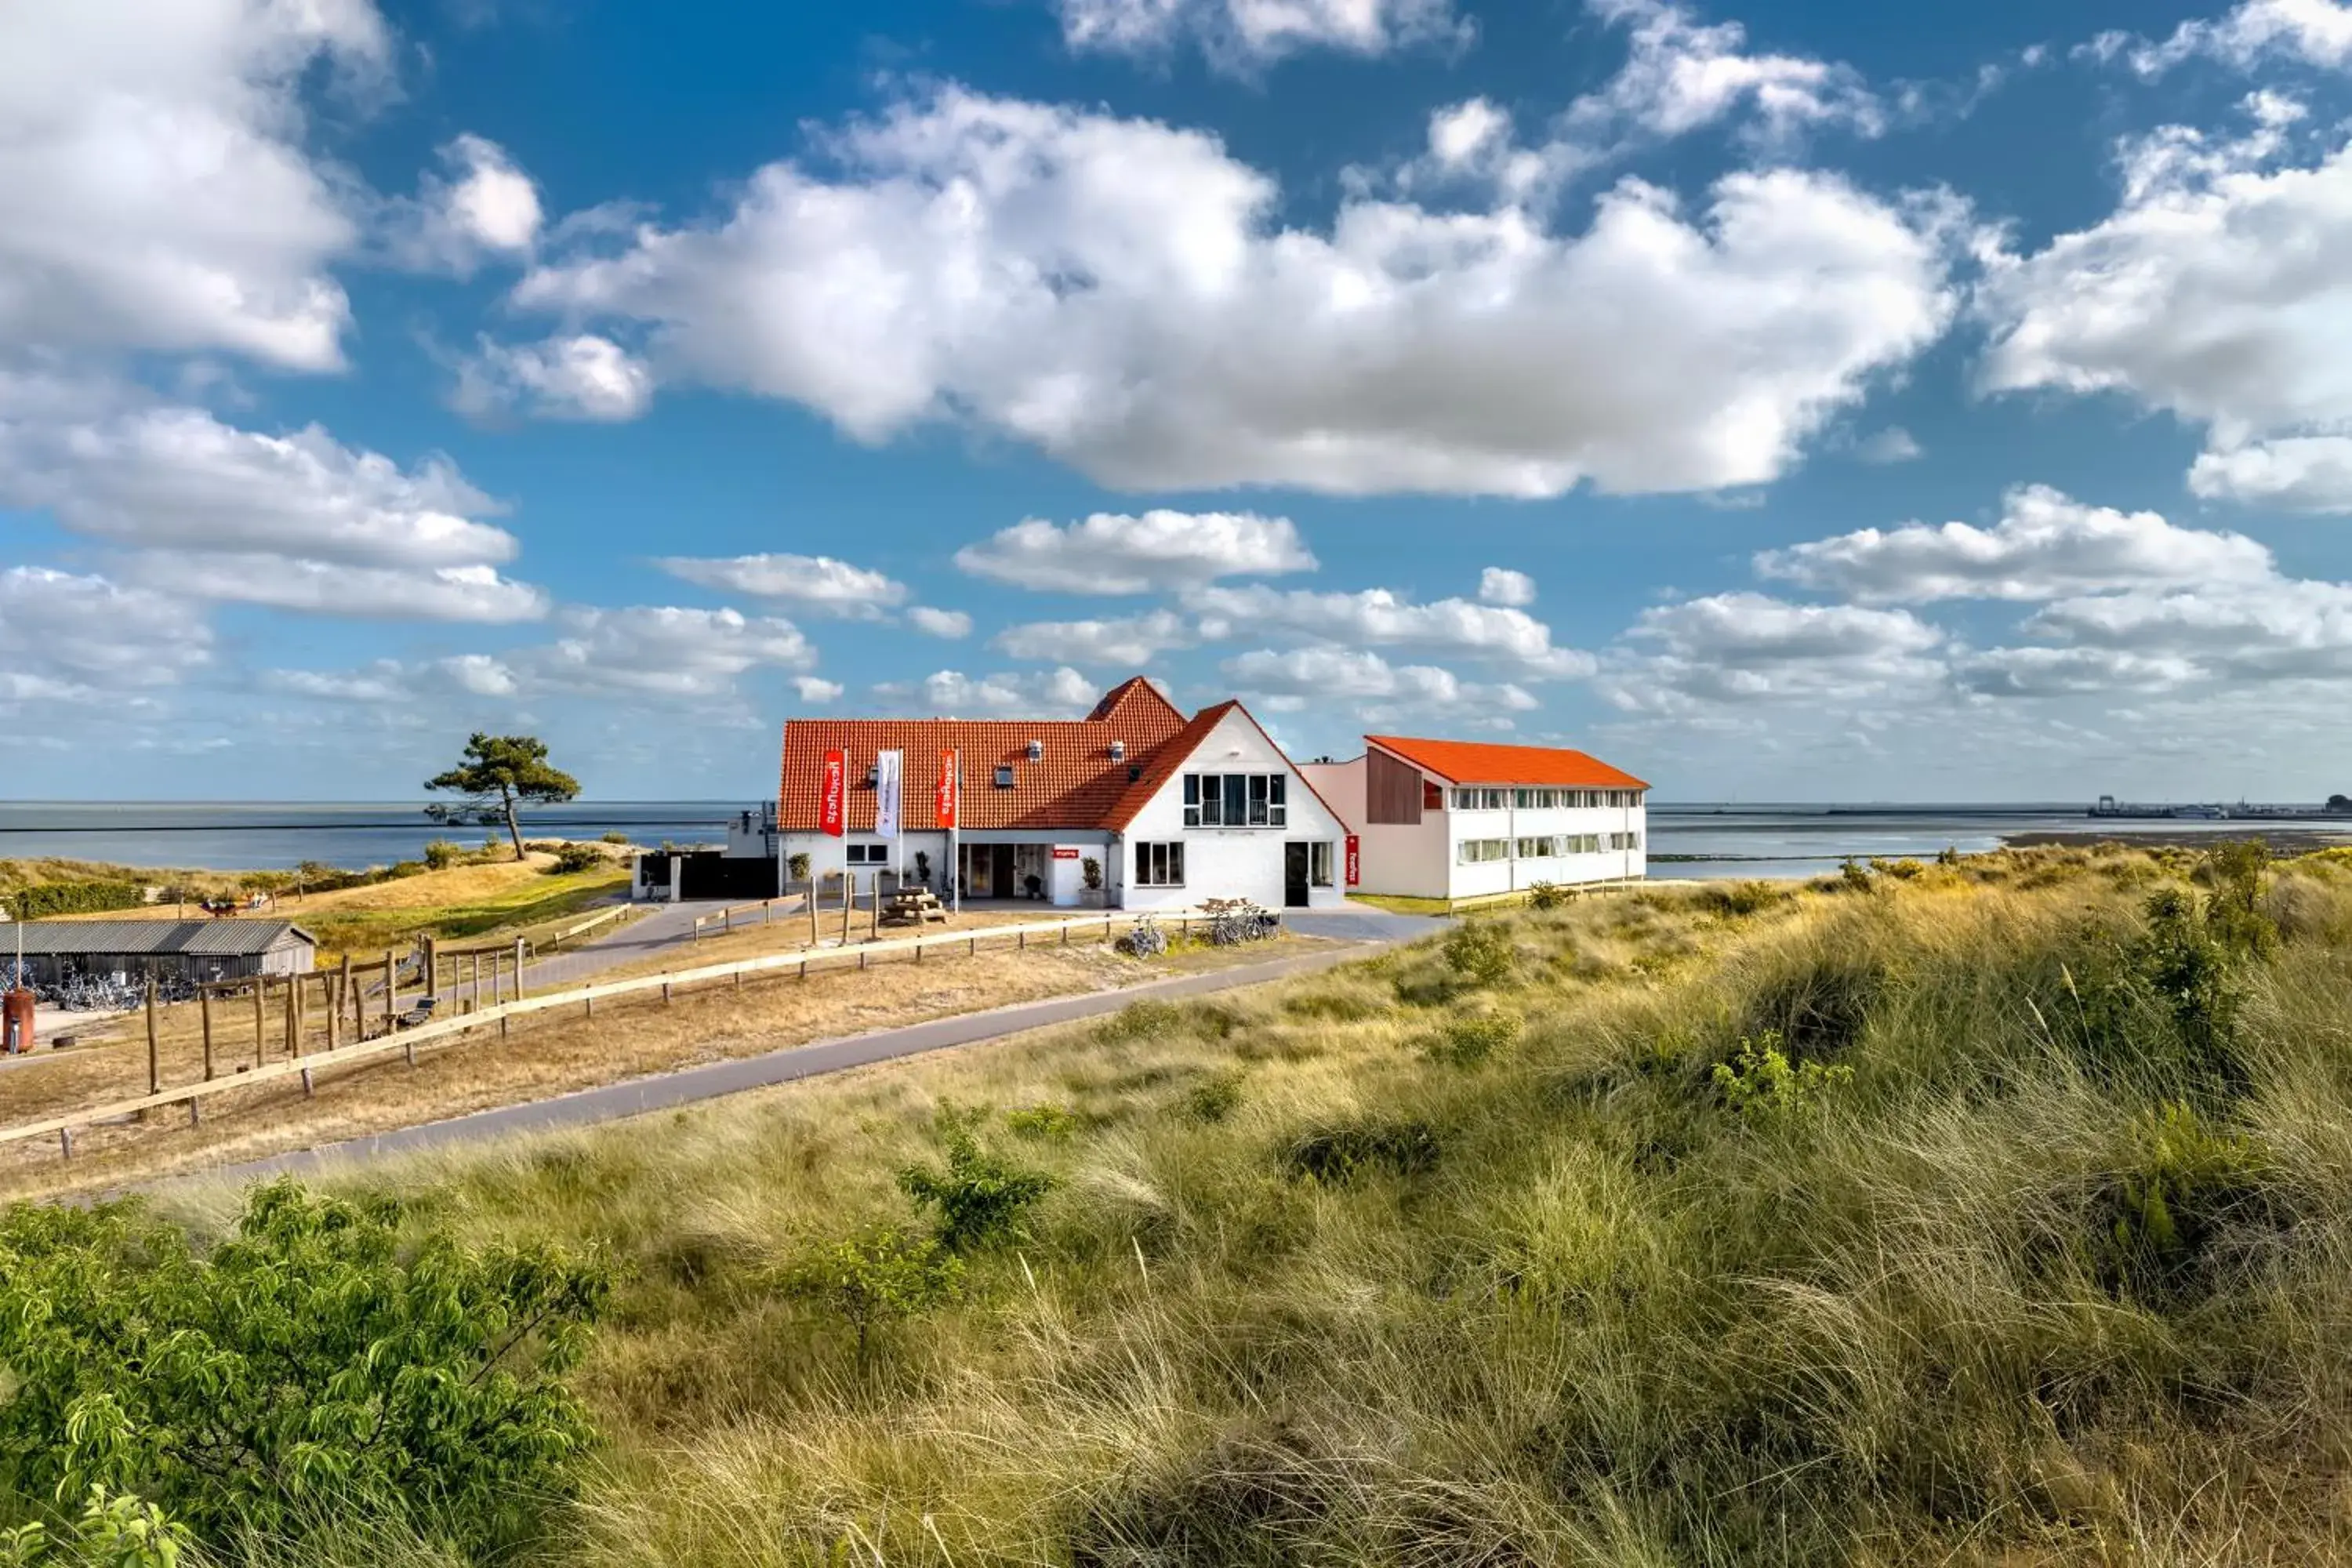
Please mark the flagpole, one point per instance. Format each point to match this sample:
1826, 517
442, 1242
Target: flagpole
955, 835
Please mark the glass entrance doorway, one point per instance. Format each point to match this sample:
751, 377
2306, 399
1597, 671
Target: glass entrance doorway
1005, 871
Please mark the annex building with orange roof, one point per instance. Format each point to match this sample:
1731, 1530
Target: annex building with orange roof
1464, 819
1168, 810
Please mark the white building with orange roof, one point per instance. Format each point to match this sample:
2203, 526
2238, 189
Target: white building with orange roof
1157, 809
1464, 819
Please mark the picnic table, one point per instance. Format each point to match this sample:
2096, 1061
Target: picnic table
913, 907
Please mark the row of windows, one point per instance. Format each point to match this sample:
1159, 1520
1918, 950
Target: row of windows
1236, 800
1542, 799
1548, 846
1161, 865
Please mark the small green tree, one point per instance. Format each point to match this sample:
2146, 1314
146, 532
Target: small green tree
1478, 952
879, 1276
441, 853
499, 774
115, 1531
1760, 1083
981, 1197
316, 1359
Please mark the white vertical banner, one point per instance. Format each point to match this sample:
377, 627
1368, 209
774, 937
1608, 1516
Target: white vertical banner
888, 768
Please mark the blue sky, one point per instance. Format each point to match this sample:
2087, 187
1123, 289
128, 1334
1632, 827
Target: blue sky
1780, 404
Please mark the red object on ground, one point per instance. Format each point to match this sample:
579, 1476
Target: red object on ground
16, 1021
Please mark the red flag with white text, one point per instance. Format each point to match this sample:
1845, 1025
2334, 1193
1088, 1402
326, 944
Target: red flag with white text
948, 798
833, 813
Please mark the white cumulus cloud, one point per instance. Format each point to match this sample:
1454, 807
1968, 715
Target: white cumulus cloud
1119, 294
2318, 32
154, 191
1061, 693
67, 637
2047, 545
482, 205
1741, 648
820, 582
1109, 553
933, 621
1501, 586
1241, 35
576, 376
1134, 641
1376, 618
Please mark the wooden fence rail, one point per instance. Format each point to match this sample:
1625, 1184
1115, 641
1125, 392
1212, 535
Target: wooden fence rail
443, 1031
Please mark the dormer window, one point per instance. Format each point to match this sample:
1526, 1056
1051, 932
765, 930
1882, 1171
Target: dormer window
1036, 751
1118, 751
1004, 776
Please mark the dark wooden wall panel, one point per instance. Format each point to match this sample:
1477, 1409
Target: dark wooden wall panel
1392, 790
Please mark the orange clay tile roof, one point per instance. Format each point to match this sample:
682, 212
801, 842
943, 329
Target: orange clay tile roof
1074, 785
1477, 763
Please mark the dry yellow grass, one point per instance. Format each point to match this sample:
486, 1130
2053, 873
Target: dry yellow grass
543, 1055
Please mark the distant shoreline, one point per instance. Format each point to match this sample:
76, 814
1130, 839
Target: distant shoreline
2296, 839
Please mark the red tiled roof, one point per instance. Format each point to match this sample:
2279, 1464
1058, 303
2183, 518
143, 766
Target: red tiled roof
1477, 762
1074, 785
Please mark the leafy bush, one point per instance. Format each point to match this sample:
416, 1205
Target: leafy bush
1213, 1099
441, 853
1339, 1153
72, 899
1478, 952
313, 1359
1550, 896
399, 868
981, 1198
576, 857
1049, 1122
1853, 877
614, 836
115, 1531
879, 1276
1903, 871
796, 867
1759, 1083
1469, 1042
2164, 1218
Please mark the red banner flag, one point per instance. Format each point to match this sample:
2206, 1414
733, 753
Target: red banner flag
833, 812
946, 798
1355, 862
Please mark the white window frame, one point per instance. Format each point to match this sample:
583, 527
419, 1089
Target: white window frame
1318, 863
1481, 851
1261, 800
877, 853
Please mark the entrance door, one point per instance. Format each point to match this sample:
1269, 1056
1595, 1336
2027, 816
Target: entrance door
1294, 876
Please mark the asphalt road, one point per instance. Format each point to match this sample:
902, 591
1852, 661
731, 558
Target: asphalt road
1367, 931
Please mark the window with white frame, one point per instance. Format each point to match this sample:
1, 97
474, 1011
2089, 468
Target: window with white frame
1473, 851
1481, 799
1536, 848
1160, 865
1318, 863
1236, 800
1624, 841
868, 854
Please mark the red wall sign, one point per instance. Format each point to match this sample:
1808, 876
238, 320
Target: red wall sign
1065, 854
833, 810
1355, 862
944, 799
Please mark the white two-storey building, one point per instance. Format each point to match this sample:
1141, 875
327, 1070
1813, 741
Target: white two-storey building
1135, 806
1463, 820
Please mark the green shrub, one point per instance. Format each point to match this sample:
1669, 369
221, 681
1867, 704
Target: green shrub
796, 867
1750, 898
1478, 952
2163, 1219
399, 868
981, 1198
1759, 1084
441, 853
571, 858
1053, 1124
1214, 1097
1469, 1042
1852, 877
879, 1276
1145, 1020
72, 898
316, 1359
1550, 896
614, 836
1337, 1152
115, 1531
1903, 871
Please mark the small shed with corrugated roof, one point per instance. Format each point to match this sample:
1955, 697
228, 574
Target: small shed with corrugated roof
196, 950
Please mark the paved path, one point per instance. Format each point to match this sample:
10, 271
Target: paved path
1362, 923
714, 1079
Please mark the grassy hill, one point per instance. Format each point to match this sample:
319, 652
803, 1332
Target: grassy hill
1999, 1214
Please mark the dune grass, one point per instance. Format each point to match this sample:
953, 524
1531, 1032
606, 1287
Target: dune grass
2027, 1257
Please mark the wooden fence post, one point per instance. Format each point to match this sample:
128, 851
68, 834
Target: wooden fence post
848, 901
154, 1043
432, 967
517, 985
390, 989
204, 1012
260, 1030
